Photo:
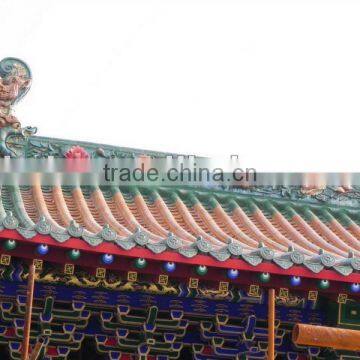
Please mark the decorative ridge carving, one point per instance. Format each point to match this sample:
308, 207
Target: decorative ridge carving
15, 82
254, 257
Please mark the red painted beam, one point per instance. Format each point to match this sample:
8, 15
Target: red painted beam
138, 252
123, 264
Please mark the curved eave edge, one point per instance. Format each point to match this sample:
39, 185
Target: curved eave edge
172, 244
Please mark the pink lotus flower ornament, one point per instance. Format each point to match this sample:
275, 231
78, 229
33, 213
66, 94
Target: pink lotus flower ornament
77, 152
77, 160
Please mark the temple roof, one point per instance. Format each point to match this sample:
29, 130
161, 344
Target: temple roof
315, 228
190, 222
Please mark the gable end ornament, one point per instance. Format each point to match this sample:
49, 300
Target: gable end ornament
15, 82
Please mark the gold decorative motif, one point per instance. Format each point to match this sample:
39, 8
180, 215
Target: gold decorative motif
254, 291
291, 301
5, 259
193, 283
150, 288
163, 280
342, 298
69, 269
132, 276
313, 295
223, 286
213, 294
111, 281
283, 293
100, 273
38, 264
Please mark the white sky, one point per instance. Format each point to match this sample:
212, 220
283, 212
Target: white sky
276, 82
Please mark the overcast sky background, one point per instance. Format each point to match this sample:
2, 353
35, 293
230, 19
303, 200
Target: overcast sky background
276, 82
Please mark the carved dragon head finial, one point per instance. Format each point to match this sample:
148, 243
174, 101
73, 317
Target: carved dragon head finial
15, 82
15, 75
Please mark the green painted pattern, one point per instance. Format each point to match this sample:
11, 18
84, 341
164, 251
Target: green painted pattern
344, 218
326, 216
134, 191
19, 208
308, 214
290, 212
270, 208
251, 206
354, 214
213, 203
192, 199
232, 205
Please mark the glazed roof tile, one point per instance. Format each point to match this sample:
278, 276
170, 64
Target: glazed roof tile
190, 222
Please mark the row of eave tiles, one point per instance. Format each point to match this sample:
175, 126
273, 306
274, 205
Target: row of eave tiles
278, 224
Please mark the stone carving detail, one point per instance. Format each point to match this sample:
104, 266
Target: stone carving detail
157, 248
266, 253
290, 258
108, 234
314, 266
234, 247
346, 266
125, 244
74, 229
91, 239
10, 221
343, 270
355, 263
284, 262
189, 251
252, 258
140, 237
203, 245
15, 81
297, 257
43, 227
60, 236
27, 233
222, 255
173, 242
326, 259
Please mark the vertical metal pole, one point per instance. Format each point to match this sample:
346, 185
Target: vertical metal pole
28, 312
271, 326
37, 349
